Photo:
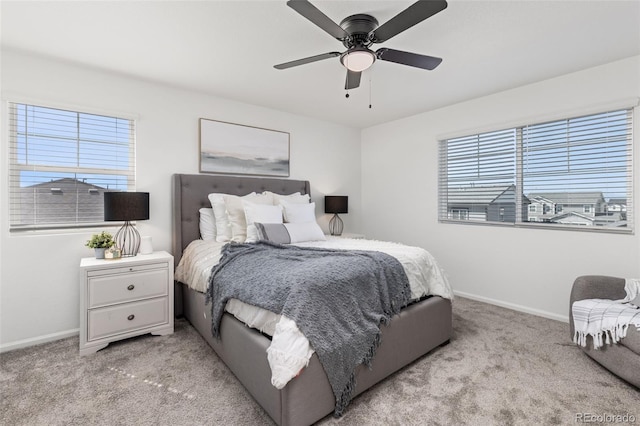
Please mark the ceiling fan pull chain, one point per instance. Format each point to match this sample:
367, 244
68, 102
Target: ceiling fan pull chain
347, 65
370, 89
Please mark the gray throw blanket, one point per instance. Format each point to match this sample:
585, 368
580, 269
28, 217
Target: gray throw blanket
337, 298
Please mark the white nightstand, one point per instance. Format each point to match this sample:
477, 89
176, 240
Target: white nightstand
125, 297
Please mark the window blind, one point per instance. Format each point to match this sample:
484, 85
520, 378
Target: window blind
62, 162
480, 169
575, 172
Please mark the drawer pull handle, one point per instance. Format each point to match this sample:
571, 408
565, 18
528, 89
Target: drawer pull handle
131, 317
131, 287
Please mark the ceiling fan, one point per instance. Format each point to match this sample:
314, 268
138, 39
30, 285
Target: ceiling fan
358, 32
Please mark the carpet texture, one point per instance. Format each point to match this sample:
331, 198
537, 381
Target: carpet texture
501, 368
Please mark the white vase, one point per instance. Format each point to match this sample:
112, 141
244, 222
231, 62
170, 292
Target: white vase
145, 246
99, 253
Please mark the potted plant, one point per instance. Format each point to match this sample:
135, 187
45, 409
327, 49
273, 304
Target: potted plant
100, 242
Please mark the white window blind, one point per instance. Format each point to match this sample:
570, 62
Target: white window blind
575, 172
62, 162
480, 171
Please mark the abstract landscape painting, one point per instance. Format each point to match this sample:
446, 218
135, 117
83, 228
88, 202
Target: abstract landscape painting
237, 149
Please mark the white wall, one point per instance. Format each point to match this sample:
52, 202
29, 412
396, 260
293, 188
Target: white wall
526, 269
39, 270
392, 175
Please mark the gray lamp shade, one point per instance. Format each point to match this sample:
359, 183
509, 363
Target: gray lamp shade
125, 206
336, 204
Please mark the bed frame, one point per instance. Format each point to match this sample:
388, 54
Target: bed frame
307, 398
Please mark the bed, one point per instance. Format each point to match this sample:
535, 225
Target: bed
416, 330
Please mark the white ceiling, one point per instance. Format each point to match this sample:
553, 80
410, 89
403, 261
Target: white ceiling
228, 48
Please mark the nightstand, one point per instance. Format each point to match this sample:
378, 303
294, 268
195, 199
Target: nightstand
125, 297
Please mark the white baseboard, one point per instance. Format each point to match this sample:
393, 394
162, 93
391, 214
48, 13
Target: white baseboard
38, 340
514, 306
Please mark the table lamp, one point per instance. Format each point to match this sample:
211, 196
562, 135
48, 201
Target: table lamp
126, 206
336, 204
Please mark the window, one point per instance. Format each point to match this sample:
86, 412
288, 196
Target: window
62, 162
461, 214
578, 165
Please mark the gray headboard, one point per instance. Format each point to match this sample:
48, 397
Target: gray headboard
190, 194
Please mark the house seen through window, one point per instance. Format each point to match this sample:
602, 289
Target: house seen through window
575, 172
62, 162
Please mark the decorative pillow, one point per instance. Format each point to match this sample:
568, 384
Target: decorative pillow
287, 233
207, 224
275, 232
297, 213
235, 211
259, 213
223, 226
295, 198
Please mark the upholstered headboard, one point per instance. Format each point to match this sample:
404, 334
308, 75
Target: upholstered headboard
190, 194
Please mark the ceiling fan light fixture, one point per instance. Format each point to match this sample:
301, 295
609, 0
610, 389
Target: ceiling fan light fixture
358, 32
358, 60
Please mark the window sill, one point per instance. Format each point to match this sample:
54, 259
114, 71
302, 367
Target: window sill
596, 229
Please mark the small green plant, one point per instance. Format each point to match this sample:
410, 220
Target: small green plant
101, 240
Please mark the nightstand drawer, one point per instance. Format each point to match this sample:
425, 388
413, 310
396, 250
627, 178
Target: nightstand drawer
123, 269
104, 322
110, 289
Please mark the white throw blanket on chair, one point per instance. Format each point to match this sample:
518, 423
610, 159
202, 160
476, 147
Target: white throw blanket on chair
607, 321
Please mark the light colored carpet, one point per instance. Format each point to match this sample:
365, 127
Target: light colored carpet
502, 367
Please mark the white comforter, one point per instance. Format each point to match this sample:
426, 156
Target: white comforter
290, 351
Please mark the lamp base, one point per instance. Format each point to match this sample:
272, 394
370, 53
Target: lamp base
335, 225
128, 240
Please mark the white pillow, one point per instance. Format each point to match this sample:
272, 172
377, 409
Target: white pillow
295, 198
262, 213
207, 224
297, 213
305, 231
223, 226
235, 212
266, 197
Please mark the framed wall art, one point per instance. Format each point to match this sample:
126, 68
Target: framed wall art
238, 149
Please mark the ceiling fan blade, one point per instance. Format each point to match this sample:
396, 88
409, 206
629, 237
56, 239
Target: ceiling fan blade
312, 13
353, 80
414, 14
306, 60
408, 58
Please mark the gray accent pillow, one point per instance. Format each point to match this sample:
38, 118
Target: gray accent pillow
274, 232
